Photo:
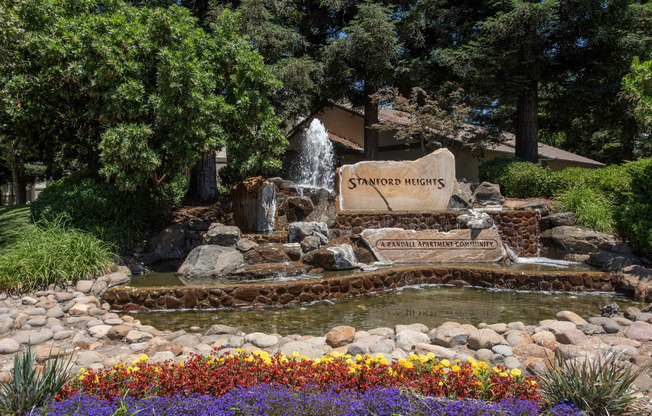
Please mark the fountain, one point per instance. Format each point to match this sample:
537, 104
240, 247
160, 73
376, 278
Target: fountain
316, 164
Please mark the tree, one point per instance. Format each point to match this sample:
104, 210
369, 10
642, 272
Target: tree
361, 61
638, 88
507, 59
138, 93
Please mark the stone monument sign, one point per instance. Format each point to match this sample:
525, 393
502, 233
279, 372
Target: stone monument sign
423, 184
431, 246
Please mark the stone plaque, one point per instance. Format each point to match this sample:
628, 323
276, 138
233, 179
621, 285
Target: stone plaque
431, 246
423, 184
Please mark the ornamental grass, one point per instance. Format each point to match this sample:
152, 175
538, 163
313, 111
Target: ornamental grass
215, 376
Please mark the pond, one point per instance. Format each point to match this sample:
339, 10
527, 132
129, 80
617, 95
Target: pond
429, 305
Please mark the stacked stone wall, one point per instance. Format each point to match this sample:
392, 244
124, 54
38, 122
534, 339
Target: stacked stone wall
518, 229
301, 292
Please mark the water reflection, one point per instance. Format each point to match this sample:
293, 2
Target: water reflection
431, 306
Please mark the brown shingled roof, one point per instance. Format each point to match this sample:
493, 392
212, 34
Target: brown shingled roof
546, 152
343, 143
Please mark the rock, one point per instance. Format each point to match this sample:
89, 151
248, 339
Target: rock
293, 251
357, 348
55, 312
33, 337
570, 317
572, 337
230, 341
545, 339
487, 194
171, 243
541, 207
621, 321
611, 310
573, 351
63, 334
28, 300
37, 321
361, 189
612, 262
218, 329
211, 261
449, 336
338, 257
497, 359
134, 336
440, 352
43, 353
516, 326
99, 331
187, 341
261, 340
592, 329
382, 332
6, 327
298, 208
631, 312
609, 325
303, 348
515, 338
577, 240
364, 256
86, 358
120, 277
559, 220
79, 309
383, 346
297, 231
9, 346
310, 243
462, 196
270, 253
339, 336
475, 220
222, 235
512, 363
412, 327
485, 338
484, 354
34, 311
254, 205
161, 357
643, 316
640, 331
555, 326
84, 286
504, 350
533, 351
118, 332
407, 339
245, 244
499, 328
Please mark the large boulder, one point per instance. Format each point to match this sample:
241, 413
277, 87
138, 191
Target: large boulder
577, 240
612, 262
637, 280
298, 208
272, 253
211, 261
171, 243
222, 235
475, 220
297, 231
462, 197
337, 257
557, 220
488, 194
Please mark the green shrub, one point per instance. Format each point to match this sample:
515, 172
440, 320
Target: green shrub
517, 179
613, 181
29, 388
50, 252
635, 223
592, 209
89, 203
600, 386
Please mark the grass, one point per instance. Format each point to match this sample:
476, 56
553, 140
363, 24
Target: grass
591, 208
13, 219
37, 255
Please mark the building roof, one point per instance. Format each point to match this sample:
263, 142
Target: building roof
506, 145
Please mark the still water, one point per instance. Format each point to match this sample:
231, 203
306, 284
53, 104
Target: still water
430, 306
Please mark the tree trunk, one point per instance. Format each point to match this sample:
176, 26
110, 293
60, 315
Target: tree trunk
18, 175
203, 179
370, 119
527, 126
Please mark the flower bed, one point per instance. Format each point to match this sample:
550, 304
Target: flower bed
269, 400
421, 374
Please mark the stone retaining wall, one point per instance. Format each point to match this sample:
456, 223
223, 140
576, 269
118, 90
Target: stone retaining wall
518, 229
298, 292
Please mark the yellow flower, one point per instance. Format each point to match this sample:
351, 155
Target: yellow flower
296, 354
445, 363
471, 360
516, 372
144, 358
504, 374
430, 356
351, 370
455, 368
358, 358
496, 370
239, 350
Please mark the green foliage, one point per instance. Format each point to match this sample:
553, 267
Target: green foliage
121, 217
29, 388
517, 179
52, 253
600, 386
591, 208
13, 219
638, 88
635, 214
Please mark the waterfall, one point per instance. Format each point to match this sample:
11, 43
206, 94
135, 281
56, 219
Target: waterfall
316, 165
